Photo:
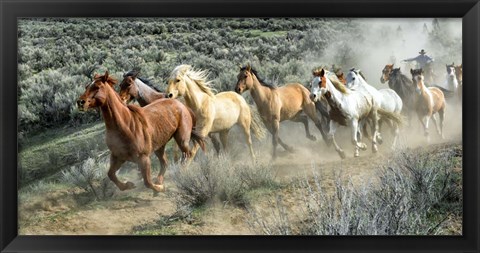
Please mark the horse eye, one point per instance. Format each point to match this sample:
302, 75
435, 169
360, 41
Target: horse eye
177, 80
353, 78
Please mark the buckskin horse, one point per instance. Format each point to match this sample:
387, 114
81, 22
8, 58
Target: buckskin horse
276, 104
430, 101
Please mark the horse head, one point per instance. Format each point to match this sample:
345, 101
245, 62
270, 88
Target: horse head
354, 78
177, 81
318, 84
128, 89
95, 93
418, 79
386, 73
450, 70
244, 79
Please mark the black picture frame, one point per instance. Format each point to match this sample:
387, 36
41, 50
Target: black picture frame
10, 10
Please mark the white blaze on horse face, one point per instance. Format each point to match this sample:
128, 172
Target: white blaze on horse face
315, 89
419, 82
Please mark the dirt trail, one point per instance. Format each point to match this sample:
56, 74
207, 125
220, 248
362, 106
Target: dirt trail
59, 213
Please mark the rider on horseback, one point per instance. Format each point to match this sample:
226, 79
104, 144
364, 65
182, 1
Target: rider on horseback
424, 62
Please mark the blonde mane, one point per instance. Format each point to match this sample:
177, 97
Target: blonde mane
199, 77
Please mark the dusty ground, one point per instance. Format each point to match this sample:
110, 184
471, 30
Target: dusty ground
61, 211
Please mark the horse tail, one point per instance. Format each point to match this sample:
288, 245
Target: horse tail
200, 140
397, 118
256, 124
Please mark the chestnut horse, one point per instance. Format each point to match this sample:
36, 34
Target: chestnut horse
431, 100
136, 88
459, 74
276, 104
133, 132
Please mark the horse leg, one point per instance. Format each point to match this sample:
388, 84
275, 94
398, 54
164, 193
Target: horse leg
374, 131
362, 131
144, 164
424, 119
358, 145
331, 136
379, 134
441, 112
224, 139
115, 164
310, 110
162, 157
245, 123
396, 132
303, 119
216, 143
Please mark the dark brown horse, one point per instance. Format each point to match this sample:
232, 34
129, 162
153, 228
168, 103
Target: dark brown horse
133, 132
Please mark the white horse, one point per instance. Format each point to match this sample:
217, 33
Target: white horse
346, 107
388, 100
450, 87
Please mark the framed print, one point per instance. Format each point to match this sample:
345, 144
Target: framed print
239, 126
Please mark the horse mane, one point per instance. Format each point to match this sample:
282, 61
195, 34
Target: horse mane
198, 76
336, 82
110, 79
259, 78
143, 79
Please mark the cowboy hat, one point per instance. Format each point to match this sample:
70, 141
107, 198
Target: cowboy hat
422, 52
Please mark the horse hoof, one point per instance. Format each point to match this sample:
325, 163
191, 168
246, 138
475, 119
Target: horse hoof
129, 185
342, 154
312, 137
374, 149
289, 149
158, 188
379, 140
363, 146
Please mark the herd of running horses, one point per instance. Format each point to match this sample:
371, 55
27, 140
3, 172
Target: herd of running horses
134, 132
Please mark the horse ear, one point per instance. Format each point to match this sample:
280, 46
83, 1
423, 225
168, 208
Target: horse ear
411, 71
96, 76
105, 76
322, 72
249, 68
136, 74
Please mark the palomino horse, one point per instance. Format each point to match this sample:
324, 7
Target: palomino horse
277, 104
134, 87
215, 113
133, 132
431, 100
403, 86
388, 100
